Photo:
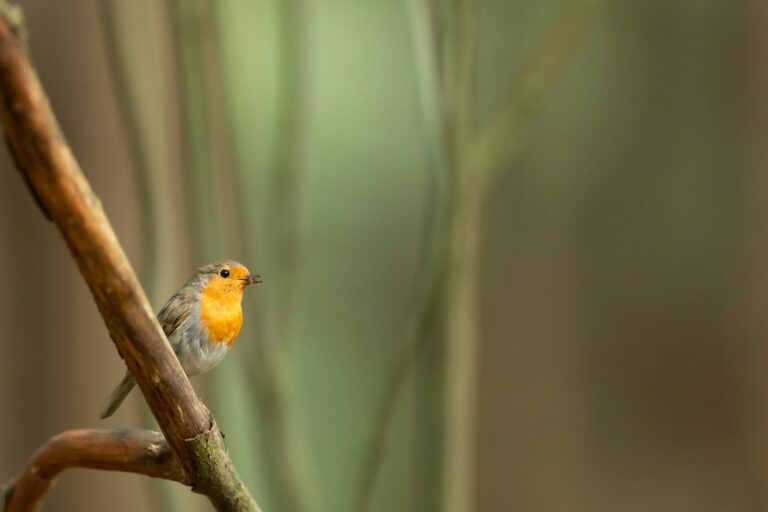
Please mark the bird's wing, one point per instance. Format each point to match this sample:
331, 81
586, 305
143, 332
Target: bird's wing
175, 312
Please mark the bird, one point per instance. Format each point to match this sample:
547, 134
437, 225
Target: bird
202, 321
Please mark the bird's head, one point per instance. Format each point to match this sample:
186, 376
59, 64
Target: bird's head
222, 278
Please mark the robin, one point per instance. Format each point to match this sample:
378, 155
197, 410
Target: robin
202, 321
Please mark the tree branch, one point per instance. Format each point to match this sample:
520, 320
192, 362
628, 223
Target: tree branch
50, 170
135, 451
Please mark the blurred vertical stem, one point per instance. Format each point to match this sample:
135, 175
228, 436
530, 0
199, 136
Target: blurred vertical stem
476, 159
428, 283
197, 158
461, 338
472, 158
283, 225
126, 98
286, 178
461, 315
280, 245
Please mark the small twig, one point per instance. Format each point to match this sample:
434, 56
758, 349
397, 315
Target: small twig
135, 451
43, 157
502, 138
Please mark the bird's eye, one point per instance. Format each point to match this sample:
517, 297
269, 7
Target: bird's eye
224, 273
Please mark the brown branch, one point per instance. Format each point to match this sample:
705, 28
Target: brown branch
135, 451
49, 168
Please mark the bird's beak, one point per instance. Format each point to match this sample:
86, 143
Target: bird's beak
252, 279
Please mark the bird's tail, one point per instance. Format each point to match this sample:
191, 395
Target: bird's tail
118, 395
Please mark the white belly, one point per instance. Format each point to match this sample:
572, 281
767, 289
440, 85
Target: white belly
206, 358
195, 355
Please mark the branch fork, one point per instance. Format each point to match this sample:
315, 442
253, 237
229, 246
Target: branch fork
190, 449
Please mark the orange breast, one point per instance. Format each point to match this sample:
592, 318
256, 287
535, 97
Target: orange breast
221, 314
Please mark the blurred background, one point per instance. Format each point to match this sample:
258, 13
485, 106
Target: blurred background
515, 252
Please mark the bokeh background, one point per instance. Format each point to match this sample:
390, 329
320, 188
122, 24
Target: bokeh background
515, 252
